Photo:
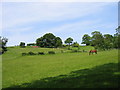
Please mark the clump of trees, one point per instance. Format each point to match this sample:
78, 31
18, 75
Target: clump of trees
104, 42
97, 39
49, 41
75, 44
3, 42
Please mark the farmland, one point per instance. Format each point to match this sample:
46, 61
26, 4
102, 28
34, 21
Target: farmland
62, 70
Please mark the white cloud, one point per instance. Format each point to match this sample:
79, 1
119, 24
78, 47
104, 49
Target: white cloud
72, 27
17, 16
17, 38
77, 29
23, 13
18, 30
65, 28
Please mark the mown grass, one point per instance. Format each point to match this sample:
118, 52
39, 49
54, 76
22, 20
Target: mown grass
41, 70
103, 76
15, 52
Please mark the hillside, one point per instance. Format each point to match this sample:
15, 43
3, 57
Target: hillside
15, 52
25, 71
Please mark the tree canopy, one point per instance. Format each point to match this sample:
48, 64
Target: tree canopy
86, 39
103, 42
97, 39
108, 41
49, 40
69, 41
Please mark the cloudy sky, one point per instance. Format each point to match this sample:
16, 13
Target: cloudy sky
26, 21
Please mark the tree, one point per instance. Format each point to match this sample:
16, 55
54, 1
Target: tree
58, 42
108, 41
115, 41
75, 44
3, 42
40, 42
97, 40
69, 41
22, 44
116, 38
86, 39
49, 40
95, 32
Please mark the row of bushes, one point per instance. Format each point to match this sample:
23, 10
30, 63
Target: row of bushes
78, 51
39, 53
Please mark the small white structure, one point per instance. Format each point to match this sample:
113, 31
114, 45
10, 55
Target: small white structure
82, 44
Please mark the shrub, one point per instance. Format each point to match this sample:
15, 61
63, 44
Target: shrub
79, 51
62, 51
51, 52
41, 53
23, 54
31, 53
69, 49
74, 50
31, 44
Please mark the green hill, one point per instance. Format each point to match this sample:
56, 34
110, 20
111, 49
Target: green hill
57, 70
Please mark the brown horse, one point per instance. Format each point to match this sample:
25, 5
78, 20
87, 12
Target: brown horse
92, 51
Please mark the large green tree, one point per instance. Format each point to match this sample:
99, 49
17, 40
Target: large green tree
115, 41
69, 41
116, 38
97, 40
108, 41
58, 42
86, 39
49, 40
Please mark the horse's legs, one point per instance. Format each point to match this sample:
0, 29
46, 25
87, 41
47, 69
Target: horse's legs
92, 53
96, 52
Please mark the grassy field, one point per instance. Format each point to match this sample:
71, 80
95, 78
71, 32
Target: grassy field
63, 70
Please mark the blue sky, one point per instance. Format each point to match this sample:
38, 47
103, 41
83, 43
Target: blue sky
26, 21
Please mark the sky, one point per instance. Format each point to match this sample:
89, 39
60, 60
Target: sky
27, 21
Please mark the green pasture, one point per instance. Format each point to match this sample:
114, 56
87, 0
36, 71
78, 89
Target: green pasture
62, 70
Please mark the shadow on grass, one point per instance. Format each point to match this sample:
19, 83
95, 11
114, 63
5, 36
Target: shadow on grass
104, 76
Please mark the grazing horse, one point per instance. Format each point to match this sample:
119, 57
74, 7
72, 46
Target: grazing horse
92, 51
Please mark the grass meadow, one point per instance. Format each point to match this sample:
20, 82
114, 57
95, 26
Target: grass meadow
61, 70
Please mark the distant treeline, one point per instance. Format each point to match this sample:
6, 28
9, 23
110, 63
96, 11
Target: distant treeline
98, 40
